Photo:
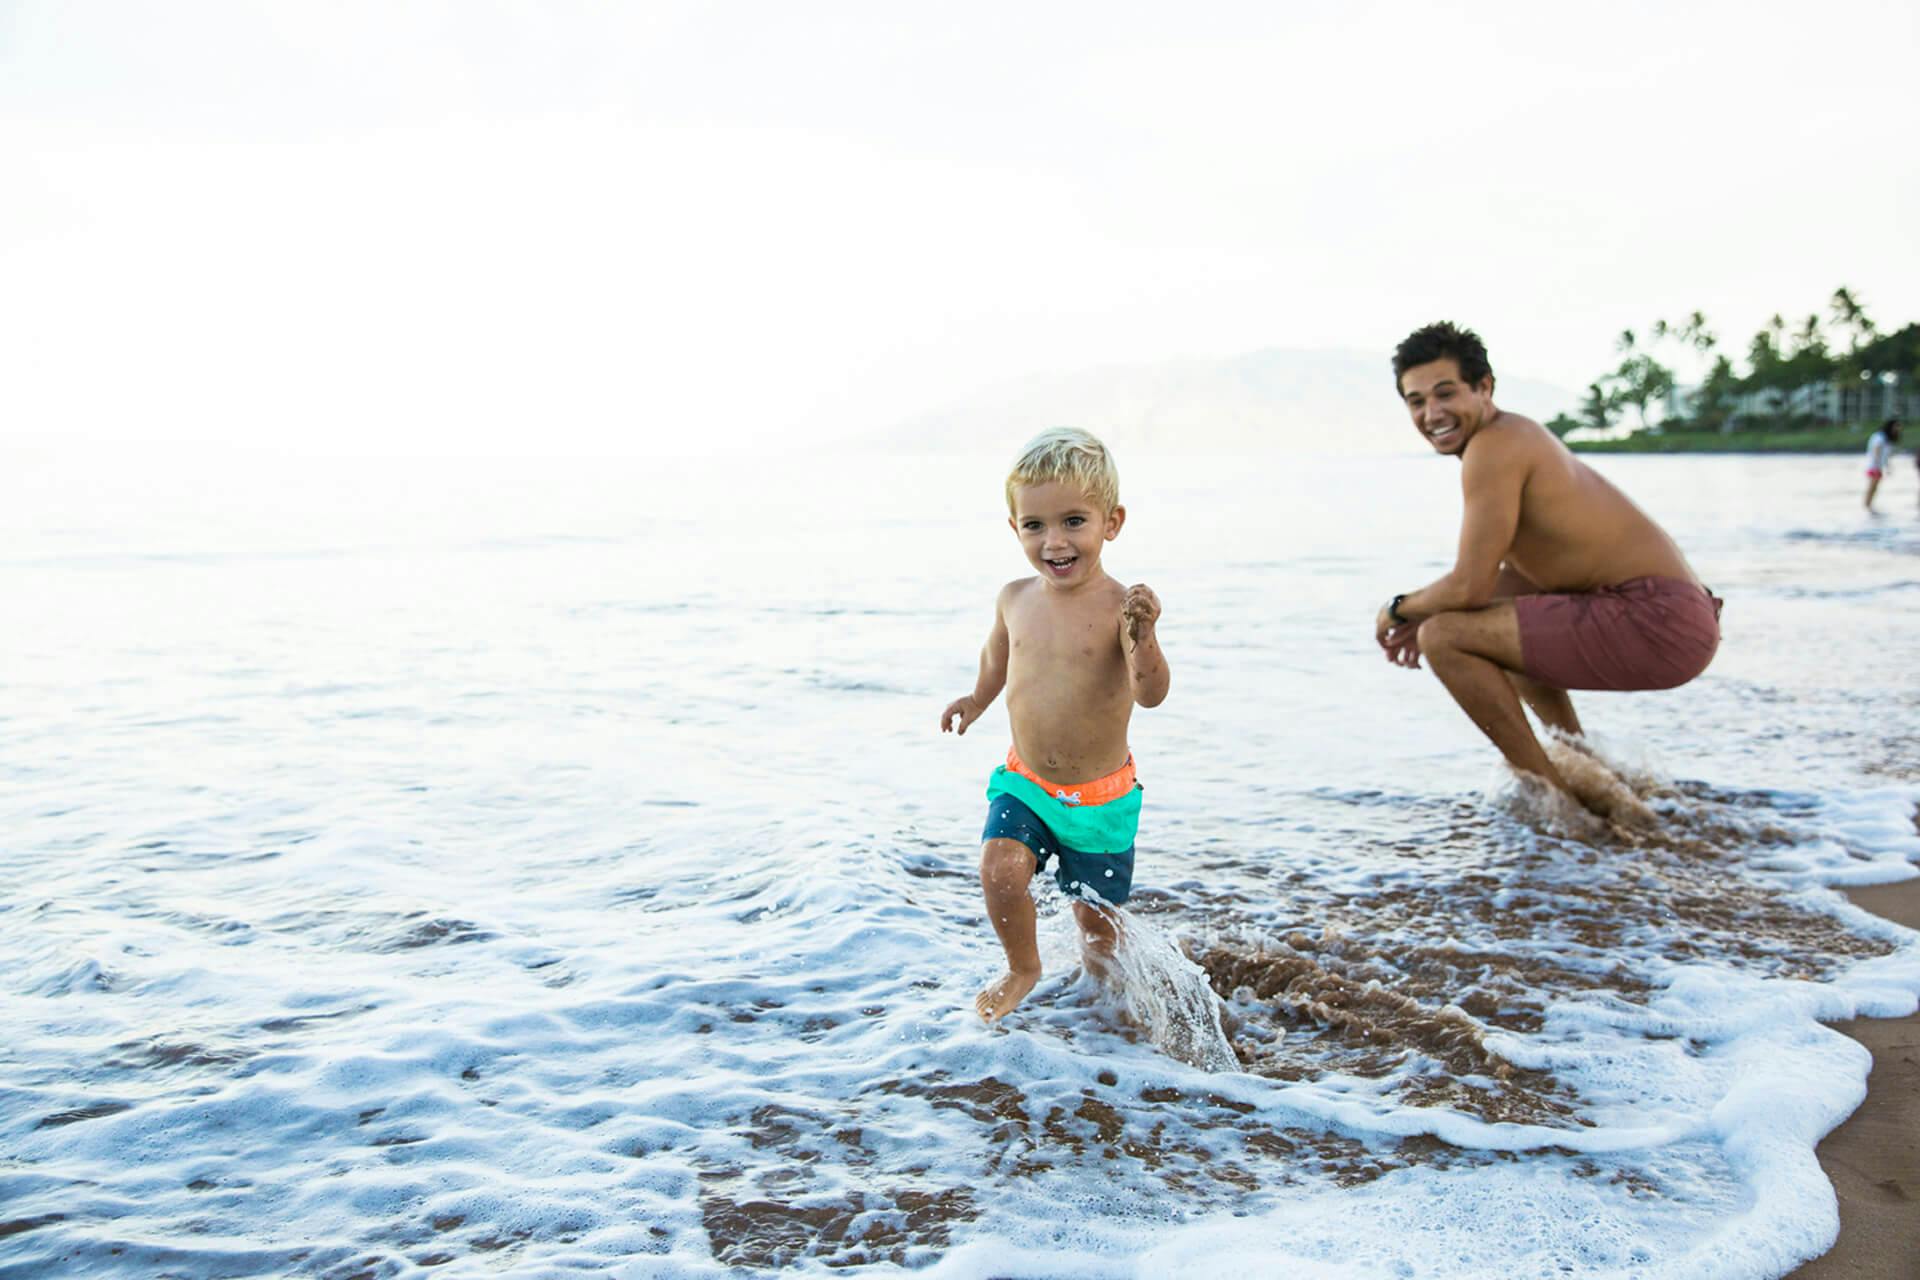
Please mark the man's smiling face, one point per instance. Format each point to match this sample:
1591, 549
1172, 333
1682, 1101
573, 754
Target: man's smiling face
1445, 408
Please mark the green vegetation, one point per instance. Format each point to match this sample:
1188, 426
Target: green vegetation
1852, 439
1819, 386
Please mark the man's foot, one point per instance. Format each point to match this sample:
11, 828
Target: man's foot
1605, 794
1002, 997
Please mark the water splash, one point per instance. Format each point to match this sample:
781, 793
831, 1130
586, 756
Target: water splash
1167, 995
1609, 800
1620, 800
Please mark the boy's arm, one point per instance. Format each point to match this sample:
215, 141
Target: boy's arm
1147, 673
992, 678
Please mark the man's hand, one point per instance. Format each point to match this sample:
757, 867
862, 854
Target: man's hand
1141, 611
1401, 640
966, 710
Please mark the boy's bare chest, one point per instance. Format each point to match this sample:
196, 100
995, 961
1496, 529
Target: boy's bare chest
1082, 637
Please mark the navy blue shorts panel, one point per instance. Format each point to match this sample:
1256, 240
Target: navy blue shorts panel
1106, 875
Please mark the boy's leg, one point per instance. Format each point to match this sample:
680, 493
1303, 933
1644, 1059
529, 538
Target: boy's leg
1006, 868
1099, 935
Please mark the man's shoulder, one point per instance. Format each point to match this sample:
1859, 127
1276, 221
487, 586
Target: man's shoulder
1510, 440
1518, 430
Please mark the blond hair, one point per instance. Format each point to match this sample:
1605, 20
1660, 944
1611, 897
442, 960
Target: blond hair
1071, 456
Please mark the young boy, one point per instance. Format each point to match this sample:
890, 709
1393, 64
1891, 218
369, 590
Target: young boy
1075, 651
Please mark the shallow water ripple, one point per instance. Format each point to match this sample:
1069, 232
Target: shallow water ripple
497, 890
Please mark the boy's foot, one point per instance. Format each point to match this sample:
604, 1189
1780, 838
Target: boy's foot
1002, 997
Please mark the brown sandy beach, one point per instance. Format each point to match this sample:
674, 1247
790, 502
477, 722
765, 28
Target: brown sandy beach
1873, 1159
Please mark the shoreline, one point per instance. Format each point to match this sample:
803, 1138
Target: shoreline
1752, 439
1745, 451
1873, 1157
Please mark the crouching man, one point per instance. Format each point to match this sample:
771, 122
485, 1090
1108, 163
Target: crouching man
1560, 583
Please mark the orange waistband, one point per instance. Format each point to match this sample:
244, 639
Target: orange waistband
1100, 791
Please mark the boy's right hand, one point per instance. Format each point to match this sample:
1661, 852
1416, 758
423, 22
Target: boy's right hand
965, 709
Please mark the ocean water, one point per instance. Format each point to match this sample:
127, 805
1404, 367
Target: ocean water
555, 869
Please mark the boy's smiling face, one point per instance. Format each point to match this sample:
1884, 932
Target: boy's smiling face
1062, 530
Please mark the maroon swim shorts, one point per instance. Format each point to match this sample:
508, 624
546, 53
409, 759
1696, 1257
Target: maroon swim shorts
1645, 633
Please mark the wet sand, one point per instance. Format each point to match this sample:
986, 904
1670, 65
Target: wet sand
1873, 1159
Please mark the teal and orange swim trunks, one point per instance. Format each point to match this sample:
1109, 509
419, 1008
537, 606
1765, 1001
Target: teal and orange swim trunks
1088, 827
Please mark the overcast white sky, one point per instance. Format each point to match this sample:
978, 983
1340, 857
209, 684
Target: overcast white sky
500, 227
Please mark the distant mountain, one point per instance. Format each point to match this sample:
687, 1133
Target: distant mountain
1265, 400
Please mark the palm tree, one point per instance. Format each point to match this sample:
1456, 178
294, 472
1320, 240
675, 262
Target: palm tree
1694, 333
1597, 409
1765, 357
1850, 316
1809, 337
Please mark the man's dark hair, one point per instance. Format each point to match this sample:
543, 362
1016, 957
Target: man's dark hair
1892, 427
1438, 342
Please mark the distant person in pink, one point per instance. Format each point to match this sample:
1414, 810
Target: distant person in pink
1880, 455
1560, 581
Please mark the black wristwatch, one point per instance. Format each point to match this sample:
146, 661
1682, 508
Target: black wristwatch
1393, 610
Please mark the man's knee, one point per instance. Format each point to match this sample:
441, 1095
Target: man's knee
1439, 635
1006, 863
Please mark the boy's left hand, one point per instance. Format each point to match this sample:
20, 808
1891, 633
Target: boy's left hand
1141, 611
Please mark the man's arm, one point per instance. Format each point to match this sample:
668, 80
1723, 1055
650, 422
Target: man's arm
1147, 675
993, 673
1491, 481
